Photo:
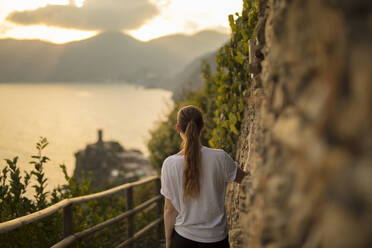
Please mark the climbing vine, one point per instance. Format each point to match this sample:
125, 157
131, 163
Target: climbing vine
233, 78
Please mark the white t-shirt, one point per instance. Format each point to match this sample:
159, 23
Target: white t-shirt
202, 219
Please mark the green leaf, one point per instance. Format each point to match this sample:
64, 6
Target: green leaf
232, 23
9, 162
232, 119
15, 160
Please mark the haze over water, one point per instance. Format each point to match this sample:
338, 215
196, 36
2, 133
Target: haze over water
68, 115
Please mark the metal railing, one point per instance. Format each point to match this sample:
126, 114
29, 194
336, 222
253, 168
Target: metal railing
67, 206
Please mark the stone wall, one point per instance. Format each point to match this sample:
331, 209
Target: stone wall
307, 135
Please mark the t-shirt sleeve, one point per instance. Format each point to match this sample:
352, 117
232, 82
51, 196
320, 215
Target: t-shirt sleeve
231, 168
165, 189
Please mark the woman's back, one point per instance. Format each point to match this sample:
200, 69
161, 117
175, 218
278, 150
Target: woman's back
203, 218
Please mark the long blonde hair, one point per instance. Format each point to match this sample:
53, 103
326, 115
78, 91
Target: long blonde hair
190, 121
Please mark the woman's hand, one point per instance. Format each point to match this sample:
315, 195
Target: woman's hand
240, 174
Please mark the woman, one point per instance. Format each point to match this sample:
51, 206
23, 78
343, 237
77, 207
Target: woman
193, 184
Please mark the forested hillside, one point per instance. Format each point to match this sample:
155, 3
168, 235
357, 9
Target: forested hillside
191, 78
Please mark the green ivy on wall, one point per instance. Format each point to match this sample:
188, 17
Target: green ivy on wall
233, 78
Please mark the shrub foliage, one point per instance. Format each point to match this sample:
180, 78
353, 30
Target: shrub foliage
15, 203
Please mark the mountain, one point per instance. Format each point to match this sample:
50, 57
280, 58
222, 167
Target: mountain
27, 60
190, 77
108, 56
191, 47
113, 57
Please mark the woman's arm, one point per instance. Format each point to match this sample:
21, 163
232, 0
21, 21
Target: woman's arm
170, 214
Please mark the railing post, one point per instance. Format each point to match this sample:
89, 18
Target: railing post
131, 217
159, 209
68, 222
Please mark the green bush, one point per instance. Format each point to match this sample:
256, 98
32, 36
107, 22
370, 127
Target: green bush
14, 203
48, 231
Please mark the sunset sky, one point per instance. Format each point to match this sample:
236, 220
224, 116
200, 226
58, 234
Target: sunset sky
62, 21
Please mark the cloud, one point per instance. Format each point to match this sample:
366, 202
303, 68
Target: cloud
93, 15
191, 25
4, 28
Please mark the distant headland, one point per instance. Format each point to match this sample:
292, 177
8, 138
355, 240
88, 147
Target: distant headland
111, 164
